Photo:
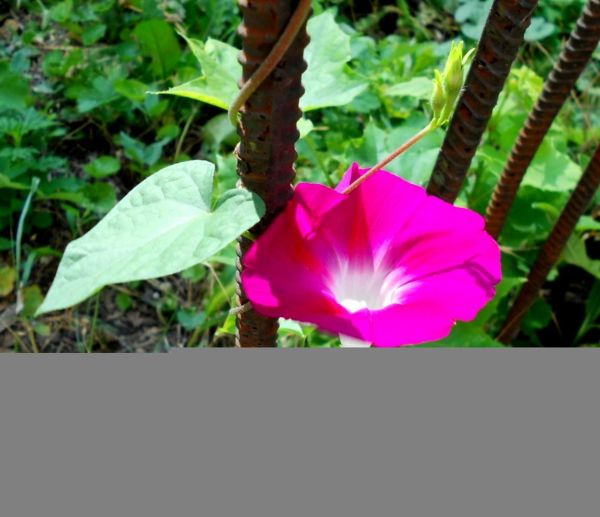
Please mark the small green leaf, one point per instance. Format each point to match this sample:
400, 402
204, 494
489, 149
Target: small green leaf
194, 273
101, 197
123, 301
159, 42
32, 299
189, 319
140, 152
41, 329
7, 183
14, 89
5, 244
134, 90
92, 34
102, 167
503, 289
8, 276
100, 92
466, 335
551, 169
587, 223
290, 327
539, 29
378, 143
592, 310
576, 254
220, 74
418, 87
62, 11
163, 226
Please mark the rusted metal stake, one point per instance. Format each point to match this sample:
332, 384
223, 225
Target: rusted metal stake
572, 61
500, 41
267, 130
550, 253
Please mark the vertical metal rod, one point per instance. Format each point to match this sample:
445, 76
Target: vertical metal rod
500, 41
550, 253
268, 132
572, 61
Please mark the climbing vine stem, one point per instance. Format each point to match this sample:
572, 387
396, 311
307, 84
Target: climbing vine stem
268, 65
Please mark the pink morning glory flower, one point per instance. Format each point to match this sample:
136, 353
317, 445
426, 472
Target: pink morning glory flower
385, 265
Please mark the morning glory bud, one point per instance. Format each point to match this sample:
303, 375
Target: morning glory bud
447, 84
438, 98
453, 72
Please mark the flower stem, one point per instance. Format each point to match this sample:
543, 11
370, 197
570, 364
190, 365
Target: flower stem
406, 145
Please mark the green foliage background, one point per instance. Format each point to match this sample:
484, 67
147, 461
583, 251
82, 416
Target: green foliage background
76, 114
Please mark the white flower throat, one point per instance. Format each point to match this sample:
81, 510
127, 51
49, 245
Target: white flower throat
356, 288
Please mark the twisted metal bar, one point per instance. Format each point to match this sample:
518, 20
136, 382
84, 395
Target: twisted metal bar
572, 61
268, 132
500, 41
267, 66
550, 253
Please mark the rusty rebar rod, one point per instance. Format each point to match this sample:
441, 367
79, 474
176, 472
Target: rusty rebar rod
550, 253
500, 41
572, 61
268, 132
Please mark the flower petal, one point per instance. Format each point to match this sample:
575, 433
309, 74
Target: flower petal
410, 324
284, 272
424, 263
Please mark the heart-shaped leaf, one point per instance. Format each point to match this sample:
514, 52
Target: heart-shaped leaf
327, 80
163, 226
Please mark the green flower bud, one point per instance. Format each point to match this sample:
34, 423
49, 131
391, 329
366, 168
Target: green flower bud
438, 98
453, 72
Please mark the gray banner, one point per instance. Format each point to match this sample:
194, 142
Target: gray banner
226, 433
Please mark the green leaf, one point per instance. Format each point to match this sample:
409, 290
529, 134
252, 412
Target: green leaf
139, 152
5, 244
592, 310
290, 327
163, 226
551, 169
539, 29
418, 87
471, 15
32, 299
414, 165
506, 285
100, 92
7, 183
466, 335
134, 90
102, 167
61, 12
526, 223
123, 301
327, 81
8, 277
576, 254
218, 84
101, 197
587, 223
217, 130
14, 89
41, 329
92, 34
189, 319
158, 41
